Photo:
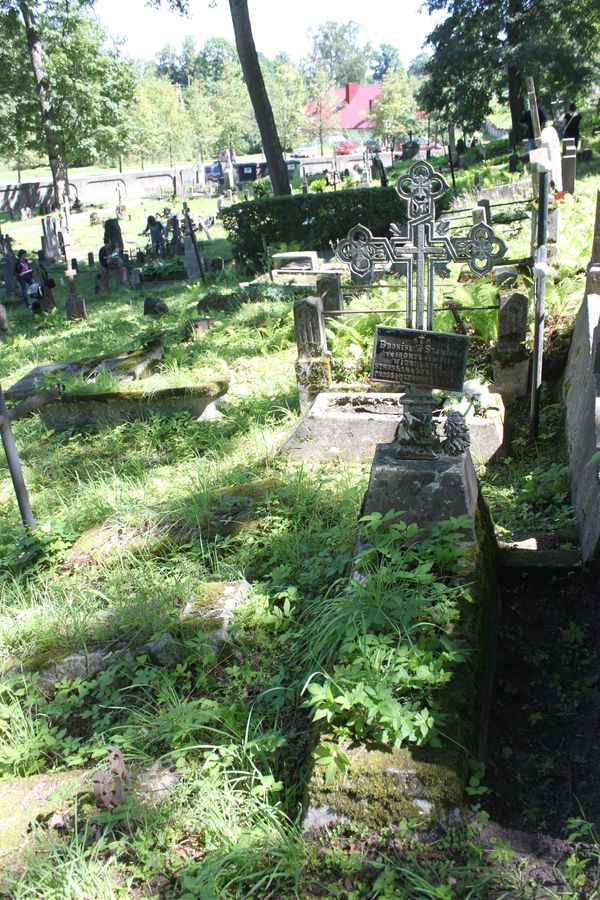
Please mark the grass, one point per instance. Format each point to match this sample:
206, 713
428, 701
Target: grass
235, 726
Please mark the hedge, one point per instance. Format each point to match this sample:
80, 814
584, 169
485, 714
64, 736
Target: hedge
309, 221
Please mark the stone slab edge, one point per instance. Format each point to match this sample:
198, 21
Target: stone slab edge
582, 423
382, 788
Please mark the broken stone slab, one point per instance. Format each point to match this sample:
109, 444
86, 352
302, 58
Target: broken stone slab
101, 540
77, 665
210, 608
25, 800
49, 800
380, 789
126, 365
81, 664
114, 407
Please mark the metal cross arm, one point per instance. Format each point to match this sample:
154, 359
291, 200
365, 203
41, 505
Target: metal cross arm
421, 249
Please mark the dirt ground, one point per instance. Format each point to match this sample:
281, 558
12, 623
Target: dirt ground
543, 758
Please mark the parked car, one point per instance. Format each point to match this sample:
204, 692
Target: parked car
374, 146
214, 172
304, 151
342, 148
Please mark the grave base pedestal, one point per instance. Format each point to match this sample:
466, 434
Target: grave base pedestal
425, 490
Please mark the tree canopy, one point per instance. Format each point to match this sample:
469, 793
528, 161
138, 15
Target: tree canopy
485, 48
336, 50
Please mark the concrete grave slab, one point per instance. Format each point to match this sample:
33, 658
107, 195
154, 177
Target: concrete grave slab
582, 398
341, 424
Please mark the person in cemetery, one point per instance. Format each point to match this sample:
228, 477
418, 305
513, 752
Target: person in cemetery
527, 123
24, 276
572, 123
108, 256
157, 233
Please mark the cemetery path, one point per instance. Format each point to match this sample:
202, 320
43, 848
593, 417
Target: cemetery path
543, 762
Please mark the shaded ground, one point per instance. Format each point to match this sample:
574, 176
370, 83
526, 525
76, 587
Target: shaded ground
543, 765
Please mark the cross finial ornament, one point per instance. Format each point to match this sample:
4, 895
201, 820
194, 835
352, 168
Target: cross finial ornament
422, 248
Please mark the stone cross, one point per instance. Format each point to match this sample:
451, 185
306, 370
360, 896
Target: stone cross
422, 248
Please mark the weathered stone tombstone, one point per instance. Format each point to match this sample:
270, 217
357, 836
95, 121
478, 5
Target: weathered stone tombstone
136, 277
329, 288
511, 365
90, 259
313, 366
50, 240
190, 259
44, 301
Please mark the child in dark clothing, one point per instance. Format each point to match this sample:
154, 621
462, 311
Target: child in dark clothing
24, 276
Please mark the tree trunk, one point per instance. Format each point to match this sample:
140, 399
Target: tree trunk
259, 97
515, 101
54, 141
514, 71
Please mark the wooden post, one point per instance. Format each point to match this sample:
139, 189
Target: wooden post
14, 466
540, 302
535, 117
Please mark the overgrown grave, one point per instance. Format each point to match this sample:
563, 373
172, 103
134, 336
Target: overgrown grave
82, 405
422, 485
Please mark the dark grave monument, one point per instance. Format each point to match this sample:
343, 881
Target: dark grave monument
425, 475
427, 471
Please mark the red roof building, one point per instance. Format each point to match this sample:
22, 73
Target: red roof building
355, 104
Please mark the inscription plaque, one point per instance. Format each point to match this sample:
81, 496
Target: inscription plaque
421, 359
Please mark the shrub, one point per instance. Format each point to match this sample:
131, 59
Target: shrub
314, 220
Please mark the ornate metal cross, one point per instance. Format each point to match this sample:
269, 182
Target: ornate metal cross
422, 248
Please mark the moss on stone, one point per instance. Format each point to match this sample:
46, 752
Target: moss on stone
381, 788
24, 799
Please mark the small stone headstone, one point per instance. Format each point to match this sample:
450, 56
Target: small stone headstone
190, 259
154, 306
194, 327
329, 288
50, 240
90, 259
76, 307
136, 278
310, 327
512, 322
